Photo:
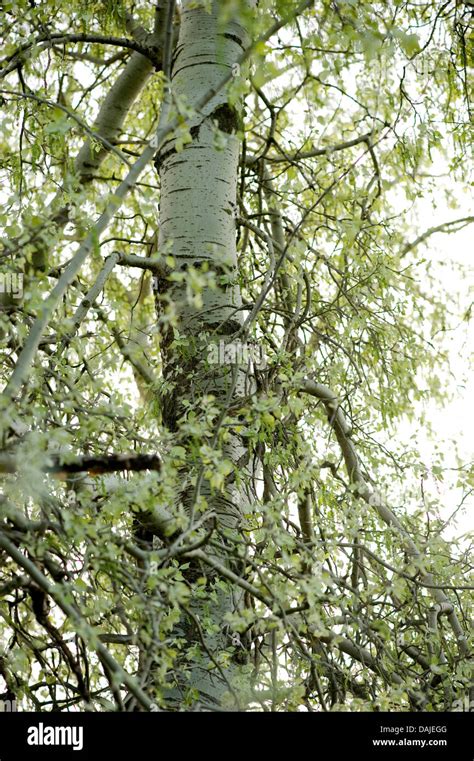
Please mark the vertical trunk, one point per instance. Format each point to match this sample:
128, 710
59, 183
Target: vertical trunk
197, 226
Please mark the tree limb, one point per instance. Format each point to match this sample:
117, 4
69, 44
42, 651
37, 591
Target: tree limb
61, 467
75, 617
373, 498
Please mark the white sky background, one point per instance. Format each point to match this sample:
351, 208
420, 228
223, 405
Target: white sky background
453, 422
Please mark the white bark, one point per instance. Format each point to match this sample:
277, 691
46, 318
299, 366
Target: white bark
198, 199
112, 113
197, 204
197, 225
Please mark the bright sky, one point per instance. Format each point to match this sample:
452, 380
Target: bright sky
453, 422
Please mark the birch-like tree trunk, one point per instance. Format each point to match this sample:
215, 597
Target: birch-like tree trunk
199, 305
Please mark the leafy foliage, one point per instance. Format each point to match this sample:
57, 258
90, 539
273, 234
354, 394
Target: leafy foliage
349, 108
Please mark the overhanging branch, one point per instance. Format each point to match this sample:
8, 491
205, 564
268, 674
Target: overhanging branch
95, 466
373, 498
61, 597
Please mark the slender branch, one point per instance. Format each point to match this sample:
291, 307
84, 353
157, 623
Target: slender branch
58, 594
61, 467
91, 296
444, 228
365, 551
46, 41
153, 263
314, 152
373, 498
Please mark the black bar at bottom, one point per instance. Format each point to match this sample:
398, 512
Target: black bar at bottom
123, 736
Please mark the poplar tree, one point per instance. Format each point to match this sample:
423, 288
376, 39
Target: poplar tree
216, 312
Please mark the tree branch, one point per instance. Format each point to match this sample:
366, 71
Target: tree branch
301, 155
76, 619
373, 498
61, 467
46, 41
444, 228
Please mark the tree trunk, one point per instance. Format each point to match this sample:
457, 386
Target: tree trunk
197, 227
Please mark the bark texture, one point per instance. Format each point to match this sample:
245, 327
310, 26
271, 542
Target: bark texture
197, 227
112, 114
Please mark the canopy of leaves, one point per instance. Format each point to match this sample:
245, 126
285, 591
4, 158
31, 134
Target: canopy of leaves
350, 110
